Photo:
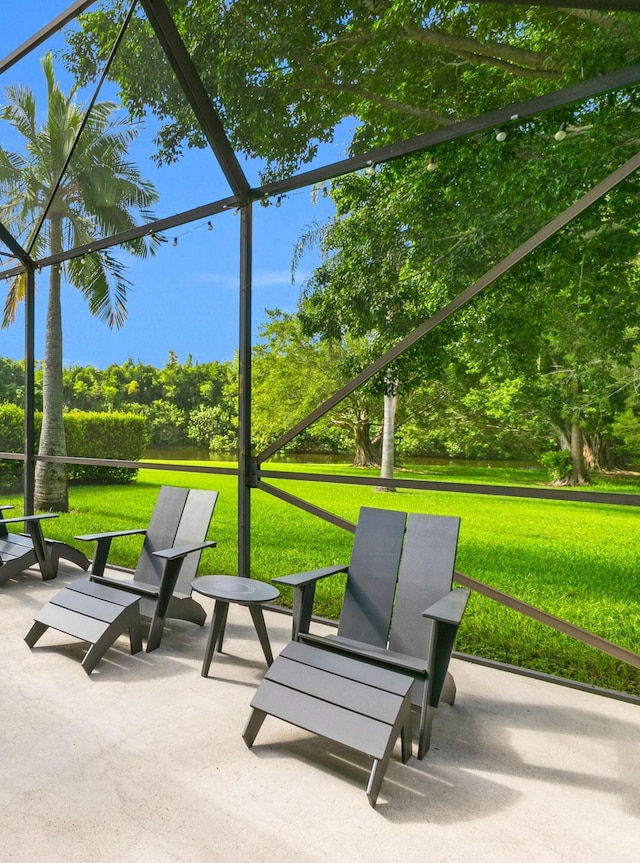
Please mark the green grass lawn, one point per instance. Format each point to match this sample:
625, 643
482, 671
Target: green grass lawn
578, 561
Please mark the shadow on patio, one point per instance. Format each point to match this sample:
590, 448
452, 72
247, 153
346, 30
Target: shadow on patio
97, 769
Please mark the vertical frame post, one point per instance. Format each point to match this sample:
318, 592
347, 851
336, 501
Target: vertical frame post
246, 473
29, 390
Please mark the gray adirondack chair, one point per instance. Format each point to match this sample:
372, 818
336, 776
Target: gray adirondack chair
19, 551
399, 609
169, 558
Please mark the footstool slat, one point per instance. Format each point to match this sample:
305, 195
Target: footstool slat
340, 691
367, 735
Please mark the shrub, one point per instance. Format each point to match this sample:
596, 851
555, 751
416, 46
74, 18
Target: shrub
11, 440
166, 424
104, 435
558, 462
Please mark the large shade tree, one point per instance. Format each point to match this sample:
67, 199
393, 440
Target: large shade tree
100, 192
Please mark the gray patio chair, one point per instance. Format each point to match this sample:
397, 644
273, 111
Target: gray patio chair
19, 551
169, 558
403, 618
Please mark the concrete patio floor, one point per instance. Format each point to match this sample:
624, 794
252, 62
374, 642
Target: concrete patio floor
143, 762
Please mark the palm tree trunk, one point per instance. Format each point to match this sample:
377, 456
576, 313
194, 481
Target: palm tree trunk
388, 440
51, 479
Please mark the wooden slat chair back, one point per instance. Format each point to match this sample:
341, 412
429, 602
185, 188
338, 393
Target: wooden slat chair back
371, 581
180, 517
425, 577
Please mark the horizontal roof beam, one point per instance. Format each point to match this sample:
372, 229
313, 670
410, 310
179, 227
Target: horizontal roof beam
599, 5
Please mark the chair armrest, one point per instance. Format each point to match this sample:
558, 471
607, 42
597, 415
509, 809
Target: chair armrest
183, 550
48, 568
450, 608
304, 589
300, 579
90, 537
29, 518
103, 545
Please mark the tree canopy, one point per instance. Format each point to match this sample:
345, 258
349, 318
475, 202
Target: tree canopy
284, 76
410, 235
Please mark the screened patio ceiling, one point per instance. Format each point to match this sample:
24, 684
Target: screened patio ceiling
269, 117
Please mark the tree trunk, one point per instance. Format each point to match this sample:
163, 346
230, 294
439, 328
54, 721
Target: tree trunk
51, 479
364, 454
599, 454
579, 474
388, 440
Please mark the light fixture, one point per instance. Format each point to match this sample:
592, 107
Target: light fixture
561, 134
370, 170
325, 192
501, 135
279, 201
175, 241
431, 165
209, 226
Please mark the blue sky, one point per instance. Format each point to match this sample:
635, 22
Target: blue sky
186, 298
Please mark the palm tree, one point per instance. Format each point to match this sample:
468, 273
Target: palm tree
98, 195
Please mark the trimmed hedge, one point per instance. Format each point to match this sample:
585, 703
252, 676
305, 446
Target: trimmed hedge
11, 437
89, 435
104, 435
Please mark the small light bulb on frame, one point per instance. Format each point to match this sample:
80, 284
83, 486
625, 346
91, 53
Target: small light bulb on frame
501, 135
561, 134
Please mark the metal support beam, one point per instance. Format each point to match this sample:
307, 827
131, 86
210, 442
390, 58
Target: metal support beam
189, 80
506, 264
29, 391
600, 5
42, 35
16, 249
63, 169
465, 128
246, 469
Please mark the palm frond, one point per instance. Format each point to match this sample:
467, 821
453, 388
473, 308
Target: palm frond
14, 297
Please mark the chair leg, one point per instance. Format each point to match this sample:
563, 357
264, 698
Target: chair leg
405, 741
253, 726
424, 735
448, 694
135, 634
258, 621
35, 632
155, 632
95, 653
